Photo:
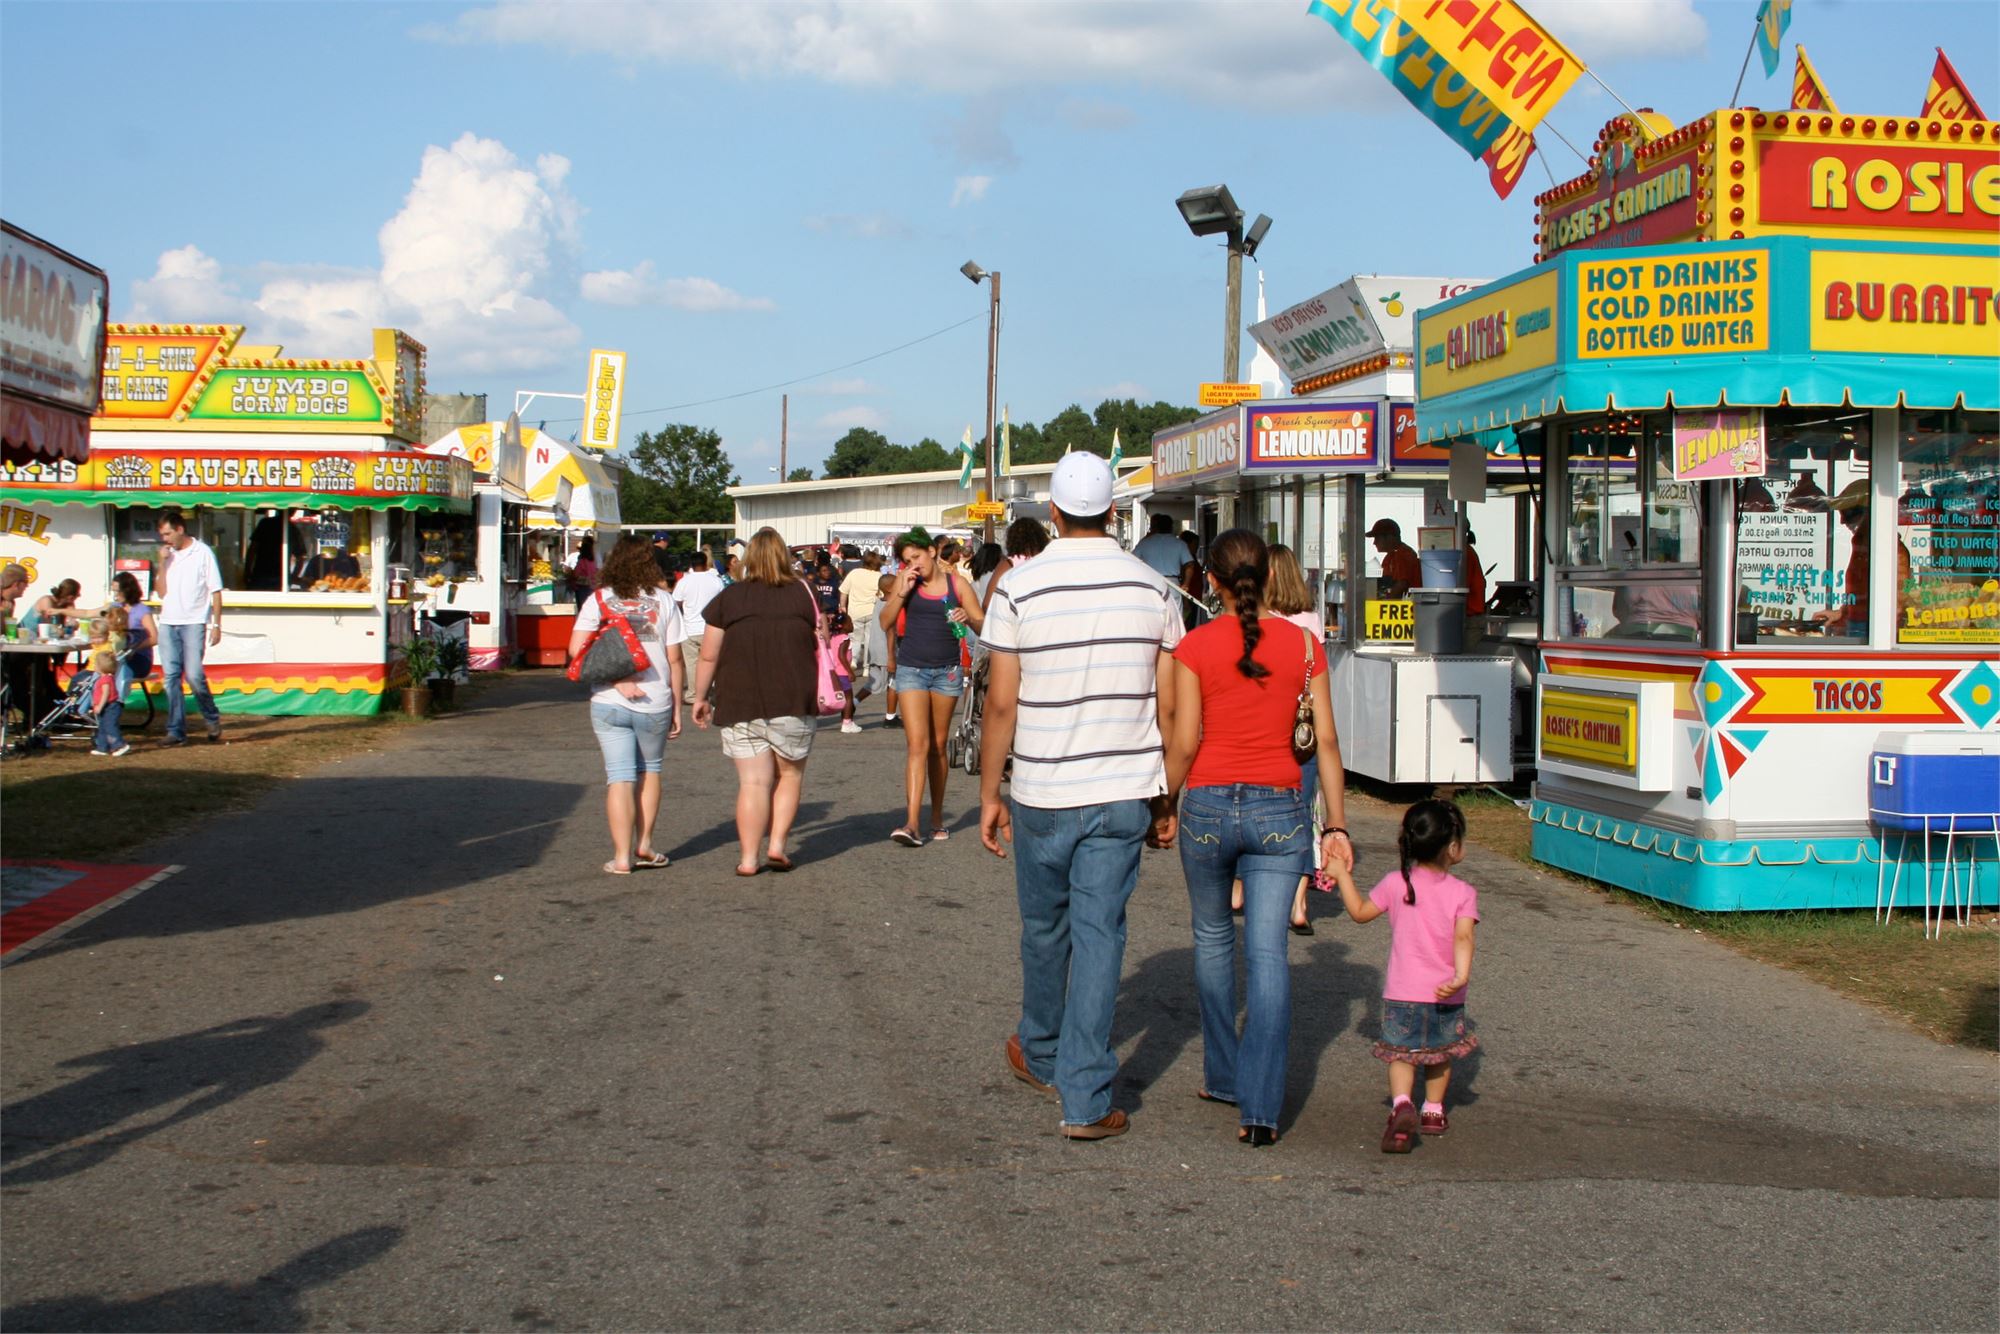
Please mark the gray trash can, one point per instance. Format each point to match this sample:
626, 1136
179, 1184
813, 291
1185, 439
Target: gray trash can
1440, 620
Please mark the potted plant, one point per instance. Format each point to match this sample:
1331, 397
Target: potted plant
453, 656
420, 660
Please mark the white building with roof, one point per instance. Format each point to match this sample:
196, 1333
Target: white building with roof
805, 513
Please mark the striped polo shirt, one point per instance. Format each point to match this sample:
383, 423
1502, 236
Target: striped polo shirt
1088, 622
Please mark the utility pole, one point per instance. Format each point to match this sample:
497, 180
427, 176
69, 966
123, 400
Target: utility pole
1232, 312
992, 386
784, 433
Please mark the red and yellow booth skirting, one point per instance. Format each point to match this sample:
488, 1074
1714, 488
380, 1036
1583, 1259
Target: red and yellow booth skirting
288, 688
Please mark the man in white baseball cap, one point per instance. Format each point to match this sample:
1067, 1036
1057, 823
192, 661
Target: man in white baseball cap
1080, 638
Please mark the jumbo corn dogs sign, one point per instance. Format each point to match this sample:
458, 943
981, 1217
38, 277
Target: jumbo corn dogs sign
201, 377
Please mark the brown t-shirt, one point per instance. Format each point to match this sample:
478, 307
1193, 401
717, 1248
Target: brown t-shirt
770, 664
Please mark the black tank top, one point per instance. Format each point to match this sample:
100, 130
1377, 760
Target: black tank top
927, 638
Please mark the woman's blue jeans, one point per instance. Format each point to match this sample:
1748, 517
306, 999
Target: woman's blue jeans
1263, 837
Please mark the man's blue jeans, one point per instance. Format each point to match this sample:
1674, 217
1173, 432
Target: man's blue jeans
1074, 870
1263, 837
181, 649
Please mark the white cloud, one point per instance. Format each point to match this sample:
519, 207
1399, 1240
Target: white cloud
1221, 52
1131, 389
464, 262
846, 419
969, 189
642, 286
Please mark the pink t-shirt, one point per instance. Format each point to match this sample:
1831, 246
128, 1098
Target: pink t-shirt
1420, 941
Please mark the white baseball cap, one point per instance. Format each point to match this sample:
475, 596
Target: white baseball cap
1081, 485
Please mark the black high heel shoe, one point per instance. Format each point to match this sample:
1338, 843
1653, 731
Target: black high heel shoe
1257, 1137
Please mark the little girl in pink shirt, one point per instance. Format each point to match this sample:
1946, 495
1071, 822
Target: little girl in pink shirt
1431, 914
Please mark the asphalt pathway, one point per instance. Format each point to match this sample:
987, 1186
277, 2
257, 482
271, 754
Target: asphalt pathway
393, 1053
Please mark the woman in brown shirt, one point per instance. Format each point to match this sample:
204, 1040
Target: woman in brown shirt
761, 655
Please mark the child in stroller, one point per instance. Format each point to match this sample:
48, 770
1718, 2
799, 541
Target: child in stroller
91, 703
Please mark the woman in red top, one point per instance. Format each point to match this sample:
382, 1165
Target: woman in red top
1237, 682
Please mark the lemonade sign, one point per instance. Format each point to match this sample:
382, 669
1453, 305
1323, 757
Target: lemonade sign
1723, 444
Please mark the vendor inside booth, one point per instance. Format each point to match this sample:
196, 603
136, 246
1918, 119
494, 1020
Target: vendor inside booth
1773, 515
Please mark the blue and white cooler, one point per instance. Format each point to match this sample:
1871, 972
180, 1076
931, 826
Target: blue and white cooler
1931, 784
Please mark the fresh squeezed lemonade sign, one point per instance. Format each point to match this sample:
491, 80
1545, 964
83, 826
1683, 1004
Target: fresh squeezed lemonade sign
1673, 307
1721, 444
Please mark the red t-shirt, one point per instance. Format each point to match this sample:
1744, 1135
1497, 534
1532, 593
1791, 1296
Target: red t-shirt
1246, 725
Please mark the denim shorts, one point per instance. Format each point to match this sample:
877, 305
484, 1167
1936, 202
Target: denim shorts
937, 680
632, 742
1423, 1032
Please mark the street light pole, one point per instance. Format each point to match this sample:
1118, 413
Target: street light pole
974, 274
1232, 312
992, 387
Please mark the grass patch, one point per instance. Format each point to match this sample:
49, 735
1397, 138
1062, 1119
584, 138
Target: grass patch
66, 803
1945, 988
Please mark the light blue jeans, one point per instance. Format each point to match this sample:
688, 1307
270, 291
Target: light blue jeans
1073, 872
181, 650
1261, 836
633, 742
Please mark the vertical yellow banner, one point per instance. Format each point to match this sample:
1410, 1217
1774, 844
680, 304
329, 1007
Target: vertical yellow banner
604, 399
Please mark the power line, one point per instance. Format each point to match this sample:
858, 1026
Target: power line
786, 384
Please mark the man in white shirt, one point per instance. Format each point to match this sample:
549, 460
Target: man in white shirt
860, 591
1080, 640
190, 622
695, 591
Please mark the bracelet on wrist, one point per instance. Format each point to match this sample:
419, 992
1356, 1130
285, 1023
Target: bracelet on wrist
1336, 829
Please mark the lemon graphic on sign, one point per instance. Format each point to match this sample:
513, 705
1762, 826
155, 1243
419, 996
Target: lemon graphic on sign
1393, 303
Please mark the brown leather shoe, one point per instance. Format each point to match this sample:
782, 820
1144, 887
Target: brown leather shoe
1113, 1122
1018, 1063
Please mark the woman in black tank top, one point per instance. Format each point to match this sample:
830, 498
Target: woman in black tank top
925, 612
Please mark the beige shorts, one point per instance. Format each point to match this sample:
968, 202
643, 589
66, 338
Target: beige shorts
789, 737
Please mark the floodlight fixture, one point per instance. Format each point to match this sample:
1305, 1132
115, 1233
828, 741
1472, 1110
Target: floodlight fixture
1255, 236
973, 273
1209, 209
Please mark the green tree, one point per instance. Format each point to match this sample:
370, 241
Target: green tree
860, 453
927, 455
1073, 428
1136, 423
677, 474
799, 475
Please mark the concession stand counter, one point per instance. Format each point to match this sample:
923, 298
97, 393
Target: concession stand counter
1772, 466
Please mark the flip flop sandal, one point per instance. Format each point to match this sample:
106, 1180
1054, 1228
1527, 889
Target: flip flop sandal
778, 862
940, 835
612, 868
755, 870
1206, 1096
907, 837
651, 861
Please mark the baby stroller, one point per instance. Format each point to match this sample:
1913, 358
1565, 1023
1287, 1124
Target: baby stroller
74, 716
962, 746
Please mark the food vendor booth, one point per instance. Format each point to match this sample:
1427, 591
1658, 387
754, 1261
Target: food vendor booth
298, 473
1761, 350
571, 498
1321, 470
499, 571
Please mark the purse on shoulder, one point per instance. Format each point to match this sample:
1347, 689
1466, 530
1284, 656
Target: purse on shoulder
612, 653
1305, 738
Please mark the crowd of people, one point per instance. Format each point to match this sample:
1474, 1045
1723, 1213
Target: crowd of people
1113, 724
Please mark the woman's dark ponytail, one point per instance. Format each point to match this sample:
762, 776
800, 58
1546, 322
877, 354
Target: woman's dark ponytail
1429, 827
1241, 562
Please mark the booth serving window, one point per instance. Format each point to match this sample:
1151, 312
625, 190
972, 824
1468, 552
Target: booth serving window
264, 550
1632, 543
1802, 530
1948, 529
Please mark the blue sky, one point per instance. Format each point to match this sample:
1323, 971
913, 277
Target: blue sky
741, 194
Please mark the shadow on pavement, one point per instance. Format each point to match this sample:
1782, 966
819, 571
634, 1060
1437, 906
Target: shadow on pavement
269, 1301
1157, 1006
67, 1126
325, 845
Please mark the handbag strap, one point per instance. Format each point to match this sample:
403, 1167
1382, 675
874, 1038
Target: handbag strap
1305, 688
